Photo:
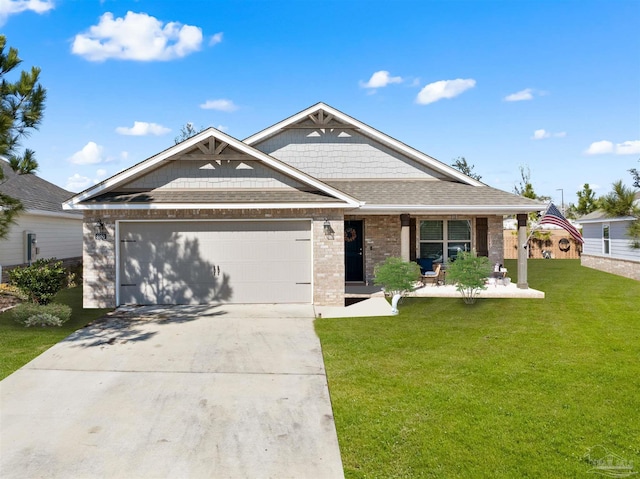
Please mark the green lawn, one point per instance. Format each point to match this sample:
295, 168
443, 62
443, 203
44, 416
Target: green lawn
19, 345
502, 389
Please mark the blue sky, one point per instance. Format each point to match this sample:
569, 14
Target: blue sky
550, 85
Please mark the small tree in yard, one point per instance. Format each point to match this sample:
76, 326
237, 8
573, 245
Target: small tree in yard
40, 281
469, 273
396, 276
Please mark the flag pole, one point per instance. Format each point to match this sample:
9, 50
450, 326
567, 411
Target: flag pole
537, 226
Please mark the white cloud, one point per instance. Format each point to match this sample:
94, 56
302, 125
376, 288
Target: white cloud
12, 7
142, 128
90, 154
77, 182
137, 36
101, 173
215, 39
526, 94
220, 105
444, 89
540, 134
628, 148
631, 147
599, 148
380, 79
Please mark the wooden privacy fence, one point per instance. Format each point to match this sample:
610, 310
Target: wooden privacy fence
560, 245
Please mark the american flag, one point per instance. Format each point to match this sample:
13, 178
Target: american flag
553, 217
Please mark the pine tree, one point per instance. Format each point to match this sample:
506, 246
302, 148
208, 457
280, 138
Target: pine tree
21, 111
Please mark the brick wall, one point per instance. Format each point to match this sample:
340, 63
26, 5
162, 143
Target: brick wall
496, 240
100, 262
382, 238
628, 269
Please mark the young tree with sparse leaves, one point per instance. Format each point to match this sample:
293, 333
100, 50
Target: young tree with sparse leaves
186, 132
461, 164
21, 111
635, 174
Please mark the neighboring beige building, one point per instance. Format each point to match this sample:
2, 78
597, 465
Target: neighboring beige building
290, 214
43, 230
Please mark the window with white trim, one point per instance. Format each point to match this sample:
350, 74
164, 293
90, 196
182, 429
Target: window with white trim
443, 239
606, 246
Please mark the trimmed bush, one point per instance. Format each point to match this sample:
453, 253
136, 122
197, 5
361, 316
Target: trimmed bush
396, 276
30, 314
469, 273
40, 281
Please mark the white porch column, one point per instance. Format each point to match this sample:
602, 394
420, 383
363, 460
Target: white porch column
523, 251
405, 237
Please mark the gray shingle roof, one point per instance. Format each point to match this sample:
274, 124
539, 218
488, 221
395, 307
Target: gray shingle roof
213, 196
34, 192
429, 193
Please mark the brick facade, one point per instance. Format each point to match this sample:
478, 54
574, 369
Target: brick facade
621, 267
100, 255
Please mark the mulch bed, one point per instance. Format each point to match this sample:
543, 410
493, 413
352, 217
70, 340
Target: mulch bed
7, 301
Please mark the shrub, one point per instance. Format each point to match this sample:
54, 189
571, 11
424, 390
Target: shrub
396, 276
43, 319
12, 291
40, 281
469, 273
30, 314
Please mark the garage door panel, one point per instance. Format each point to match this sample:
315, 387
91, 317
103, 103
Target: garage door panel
204, 262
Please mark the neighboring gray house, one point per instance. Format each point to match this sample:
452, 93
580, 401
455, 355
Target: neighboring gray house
290, 214
43, 230
607, 246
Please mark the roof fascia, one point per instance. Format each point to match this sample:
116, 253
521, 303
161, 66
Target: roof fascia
148, 164
54, 214
448, 210
210, 206
371, 132
614, 219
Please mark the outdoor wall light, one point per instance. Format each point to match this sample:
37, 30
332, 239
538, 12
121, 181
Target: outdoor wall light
328, 230
100, 230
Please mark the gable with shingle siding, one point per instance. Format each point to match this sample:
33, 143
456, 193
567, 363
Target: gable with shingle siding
342, 154
210, 174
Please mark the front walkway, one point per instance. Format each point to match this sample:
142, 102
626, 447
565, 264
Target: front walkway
183, 392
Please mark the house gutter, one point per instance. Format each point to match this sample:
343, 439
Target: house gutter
454, 209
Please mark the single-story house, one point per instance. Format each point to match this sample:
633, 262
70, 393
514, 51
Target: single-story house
43, 229
607, 246
290, 214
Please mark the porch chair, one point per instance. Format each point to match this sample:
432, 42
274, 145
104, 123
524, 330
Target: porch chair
432, 277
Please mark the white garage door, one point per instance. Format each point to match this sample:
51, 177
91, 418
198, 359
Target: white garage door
208, 262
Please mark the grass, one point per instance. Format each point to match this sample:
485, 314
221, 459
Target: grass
19, 345
504, 388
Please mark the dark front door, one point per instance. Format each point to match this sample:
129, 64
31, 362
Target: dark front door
353, 253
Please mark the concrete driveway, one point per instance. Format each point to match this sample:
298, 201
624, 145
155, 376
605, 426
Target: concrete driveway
182, 392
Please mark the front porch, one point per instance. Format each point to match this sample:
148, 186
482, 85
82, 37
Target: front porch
368, 301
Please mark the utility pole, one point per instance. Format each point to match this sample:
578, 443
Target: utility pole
562, 201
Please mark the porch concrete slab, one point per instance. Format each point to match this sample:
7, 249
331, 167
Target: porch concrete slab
492, 291
374, 306
177, 392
